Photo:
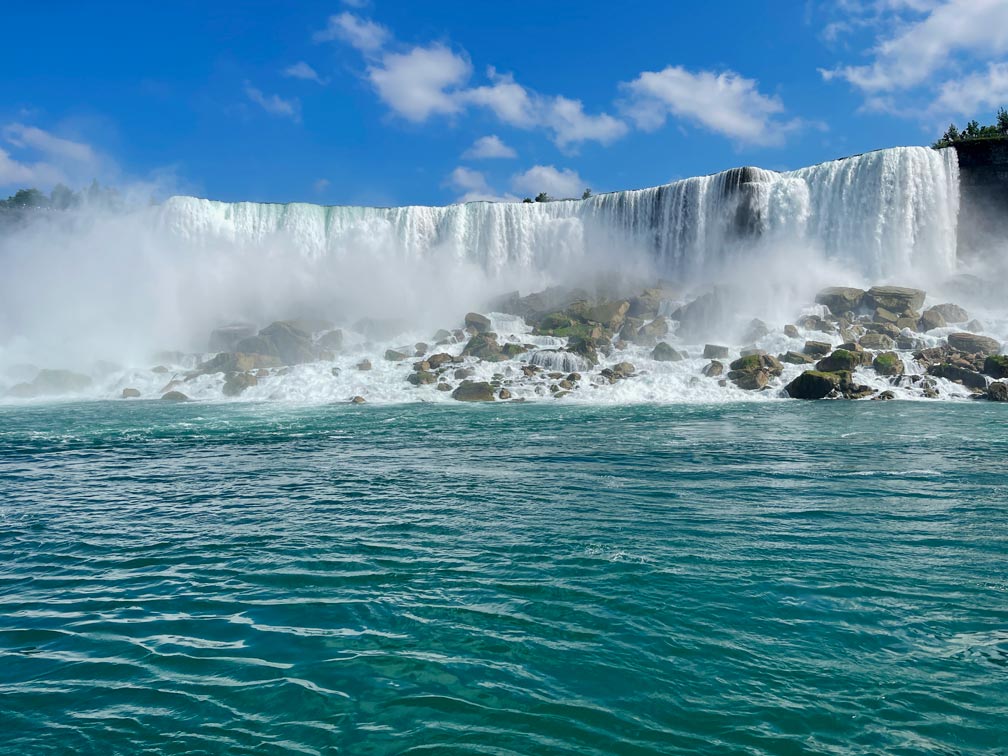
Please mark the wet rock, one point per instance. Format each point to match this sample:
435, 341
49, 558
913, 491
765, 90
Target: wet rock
816, 323
817, 348
331, 341
225, 338
791, 331
841, 299
998, 392
422, 378
714, 369
437, 360
706, 315
647, 304
796, 358
130, 393
420, 349
609, 314
897, 299
363, 365
358, 400
663, 352
236, 383
284, 340
840, 360
882, 315
441, 336
951, 313
175, 396
481, 323
484, 346
888, 363
654, 331
504, 394
236, 362
996, 366
474, 391
757, 361
886, 329
971, 343
968, 378
816, 384
442, 386
623, 369
584, 348
715, 352
877, 341
421, 365
512, 349
393, 356
462, 373
885, 396
750, 380
931, 319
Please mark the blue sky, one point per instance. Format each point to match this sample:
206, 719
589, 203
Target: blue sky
360, 102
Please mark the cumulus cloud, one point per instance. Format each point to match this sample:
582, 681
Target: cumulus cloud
419, 83
360, 33
724, 102
274, 104
43, 158
546, 178
474, 186
571, 125
489, 147
302, 70
509, 101
983, 90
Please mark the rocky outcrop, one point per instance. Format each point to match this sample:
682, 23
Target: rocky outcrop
484, 346
474, 391
895, 299
817, 348
888, 364
284, 340
957, 374
998, 392
479, 323
841, 299
950, 313
754, 371
841, 360
818, 384
971, 343
877, 341
996, 366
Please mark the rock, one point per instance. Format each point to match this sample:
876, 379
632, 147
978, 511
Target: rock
609, 314
791, 331
815, 323
574, 377
817, 348
885, 396
952, 313
897, 299
480, 323
665, 353
363, 365
974, 326
331, 341
504, 394
357, 400
236, 362
284, 340
929, 320
715, 352
335, 372
484, 346
175, 396
882, 315
474, 391
393, 356
51, 383
442, 386
647, 304
877, 341
225, 338
420, 349
968, 378
584, 348
130, 393
630, 328
888, 363
814, 384
750, 380
462, 373
840, 360
236, 383
422, 378
421, 365
654, 331
796, 358
971, 343
757, 361
998, 392
886, 329
755, 331
841, 299
996, 366
512, 349
713, 370
437, 360
623, 369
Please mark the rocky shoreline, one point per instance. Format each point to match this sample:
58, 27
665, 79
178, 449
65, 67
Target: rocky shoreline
567, 342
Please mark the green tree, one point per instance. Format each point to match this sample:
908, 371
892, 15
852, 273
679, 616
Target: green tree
586, 194
542, 197
1002, 121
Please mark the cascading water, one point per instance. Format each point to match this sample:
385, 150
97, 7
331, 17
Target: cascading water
879, 214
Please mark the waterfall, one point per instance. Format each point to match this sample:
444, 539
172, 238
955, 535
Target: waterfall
878, 213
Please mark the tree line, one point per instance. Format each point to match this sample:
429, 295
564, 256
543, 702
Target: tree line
61, 197
973, 130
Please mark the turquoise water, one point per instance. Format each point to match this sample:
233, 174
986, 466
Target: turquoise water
511, 579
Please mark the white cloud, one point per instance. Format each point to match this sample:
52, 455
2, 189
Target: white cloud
360, 33
570, 124
489, 147
509, 101
274, 104
546, 178
302, 70
725, 102
474, 186
418, 83
26, 175
913, 52
45, 159
985, 90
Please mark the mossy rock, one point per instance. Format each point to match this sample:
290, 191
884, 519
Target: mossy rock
555, 321
996, 366
888, 363
749, 362
474, 391
840, 360
484, 346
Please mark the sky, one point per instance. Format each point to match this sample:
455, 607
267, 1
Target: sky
374, 102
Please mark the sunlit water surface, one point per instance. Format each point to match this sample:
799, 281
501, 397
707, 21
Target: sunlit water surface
507, 579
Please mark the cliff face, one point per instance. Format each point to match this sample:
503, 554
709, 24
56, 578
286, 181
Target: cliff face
983, 188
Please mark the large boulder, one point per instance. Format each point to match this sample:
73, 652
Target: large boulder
951, 313
175, 396
654, 331
817, 348
841, 299
877, 341
484, 346
715, 352
888, 363
225, 338
971, 343
238, 382
815, 384
998, 392
609, 314
285, 340
663, 352
474, 391
996, 366
234, 362
130, 393
896, 299
840, 360
931, 319
714, 369
479, 323
331, 341
796, 358
957, 374
647, 304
